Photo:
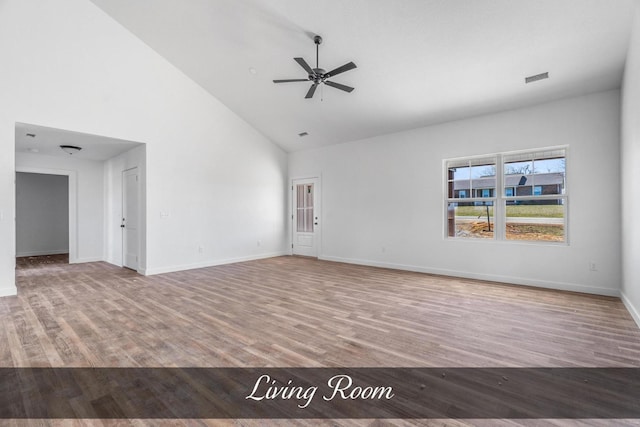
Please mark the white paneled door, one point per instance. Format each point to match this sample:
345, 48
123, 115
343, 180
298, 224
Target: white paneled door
305, 216
130, 218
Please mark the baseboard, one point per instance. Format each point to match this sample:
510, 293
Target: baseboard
8, 291
635, 313
41, 253
88, 259
210, 263
562, 286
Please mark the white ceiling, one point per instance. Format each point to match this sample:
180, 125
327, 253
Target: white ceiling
47, 141
419, 62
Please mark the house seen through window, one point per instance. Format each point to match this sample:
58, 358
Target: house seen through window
532, 204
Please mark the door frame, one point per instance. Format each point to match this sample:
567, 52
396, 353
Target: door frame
122, 178
317, 208
73, 204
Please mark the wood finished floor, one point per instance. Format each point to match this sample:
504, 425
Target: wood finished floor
292, 311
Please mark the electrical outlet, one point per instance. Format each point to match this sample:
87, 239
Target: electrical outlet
200, 249
592, 266
259, 242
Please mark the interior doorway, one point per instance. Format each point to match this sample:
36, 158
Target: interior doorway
95, 173
42, 214
46, 208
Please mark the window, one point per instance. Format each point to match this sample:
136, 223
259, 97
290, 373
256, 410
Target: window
304, 206
532, 205
475, 176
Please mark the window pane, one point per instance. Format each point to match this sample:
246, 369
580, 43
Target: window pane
543, 169
304, 208
309, 195
475, 180
459, 182
470, 220
518, 168
549, 175
300, 196
300, 227
537, 220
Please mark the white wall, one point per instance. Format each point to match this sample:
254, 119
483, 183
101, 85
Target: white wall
114, 167
89, 195
42, 214
67, 65
631, 174
387, 192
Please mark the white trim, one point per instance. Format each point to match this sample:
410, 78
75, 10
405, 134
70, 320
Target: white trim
73, 203
635, 313
561, 286
83, 260
174, 268
8, 291
41, 253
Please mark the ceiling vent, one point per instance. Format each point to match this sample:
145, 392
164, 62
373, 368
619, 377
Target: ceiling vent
537, 77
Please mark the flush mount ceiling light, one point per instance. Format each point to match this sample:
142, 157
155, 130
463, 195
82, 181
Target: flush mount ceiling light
70, 149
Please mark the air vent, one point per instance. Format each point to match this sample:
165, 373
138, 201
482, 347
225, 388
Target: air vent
537, 77
301, 134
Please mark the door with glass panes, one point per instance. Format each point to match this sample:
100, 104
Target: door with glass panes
305, 217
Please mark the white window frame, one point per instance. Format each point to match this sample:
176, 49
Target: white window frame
500, 198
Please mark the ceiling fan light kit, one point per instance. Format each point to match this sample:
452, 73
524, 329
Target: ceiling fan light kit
70, 149
318, 76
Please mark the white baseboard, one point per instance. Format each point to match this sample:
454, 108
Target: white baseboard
8, 291
562, 286
41, 253
88, 259
211, 263
635, 313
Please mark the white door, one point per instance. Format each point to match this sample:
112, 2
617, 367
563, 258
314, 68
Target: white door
130, 218
305, 215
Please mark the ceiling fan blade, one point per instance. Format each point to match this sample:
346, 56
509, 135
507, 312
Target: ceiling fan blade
291, 80
304, 65
345, 67
312, 90
339, 86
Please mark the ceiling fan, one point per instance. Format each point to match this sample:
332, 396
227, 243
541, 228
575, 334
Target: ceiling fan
318, 75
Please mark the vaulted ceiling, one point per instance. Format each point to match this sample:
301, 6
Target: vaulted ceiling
419, 62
